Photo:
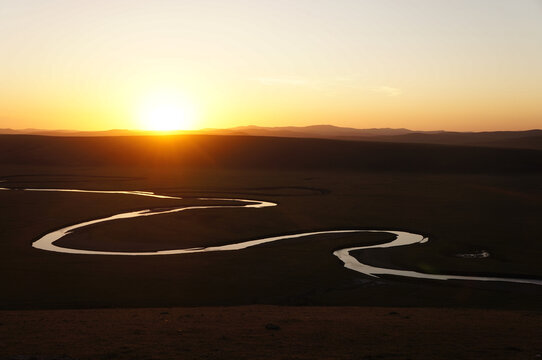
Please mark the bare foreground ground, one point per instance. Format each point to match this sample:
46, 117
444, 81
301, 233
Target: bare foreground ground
285, 300
270, 332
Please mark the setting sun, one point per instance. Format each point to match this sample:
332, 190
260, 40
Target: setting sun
166, 113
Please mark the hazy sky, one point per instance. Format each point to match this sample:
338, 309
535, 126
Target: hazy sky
419, 64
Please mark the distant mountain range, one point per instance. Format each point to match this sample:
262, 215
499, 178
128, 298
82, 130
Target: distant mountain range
530, 139
314, 131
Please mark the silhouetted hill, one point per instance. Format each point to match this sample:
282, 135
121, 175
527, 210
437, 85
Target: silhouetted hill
262, 152
318, 131
530, 139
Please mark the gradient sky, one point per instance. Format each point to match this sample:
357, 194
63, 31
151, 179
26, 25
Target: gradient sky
418, 64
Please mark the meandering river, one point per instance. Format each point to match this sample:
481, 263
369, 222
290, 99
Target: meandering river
402, 238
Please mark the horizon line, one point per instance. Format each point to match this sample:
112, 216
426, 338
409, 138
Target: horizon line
179, 131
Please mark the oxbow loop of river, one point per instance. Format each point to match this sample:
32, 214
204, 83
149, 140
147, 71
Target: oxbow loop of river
402, 238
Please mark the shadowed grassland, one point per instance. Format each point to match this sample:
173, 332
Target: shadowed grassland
270, 332
466, 200
459, 212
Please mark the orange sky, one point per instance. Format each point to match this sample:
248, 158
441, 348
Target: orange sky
417, 64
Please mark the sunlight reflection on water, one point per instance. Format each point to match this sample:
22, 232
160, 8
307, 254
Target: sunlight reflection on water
402, 238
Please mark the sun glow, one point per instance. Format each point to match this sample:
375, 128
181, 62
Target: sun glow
167, 113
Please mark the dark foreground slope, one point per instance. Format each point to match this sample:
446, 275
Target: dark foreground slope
263, 153
269, 332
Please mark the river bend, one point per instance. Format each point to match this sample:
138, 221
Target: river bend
402, 238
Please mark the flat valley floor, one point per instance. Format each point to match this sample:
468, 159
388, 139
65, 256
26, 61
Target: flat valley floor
288, 300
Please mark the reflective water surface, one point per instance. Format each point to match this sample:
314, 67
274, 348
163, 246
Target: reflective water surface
402, 238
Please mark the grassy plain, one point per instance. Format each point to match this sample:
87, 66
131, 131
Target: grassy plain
496, 209
270, 332
459, 214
